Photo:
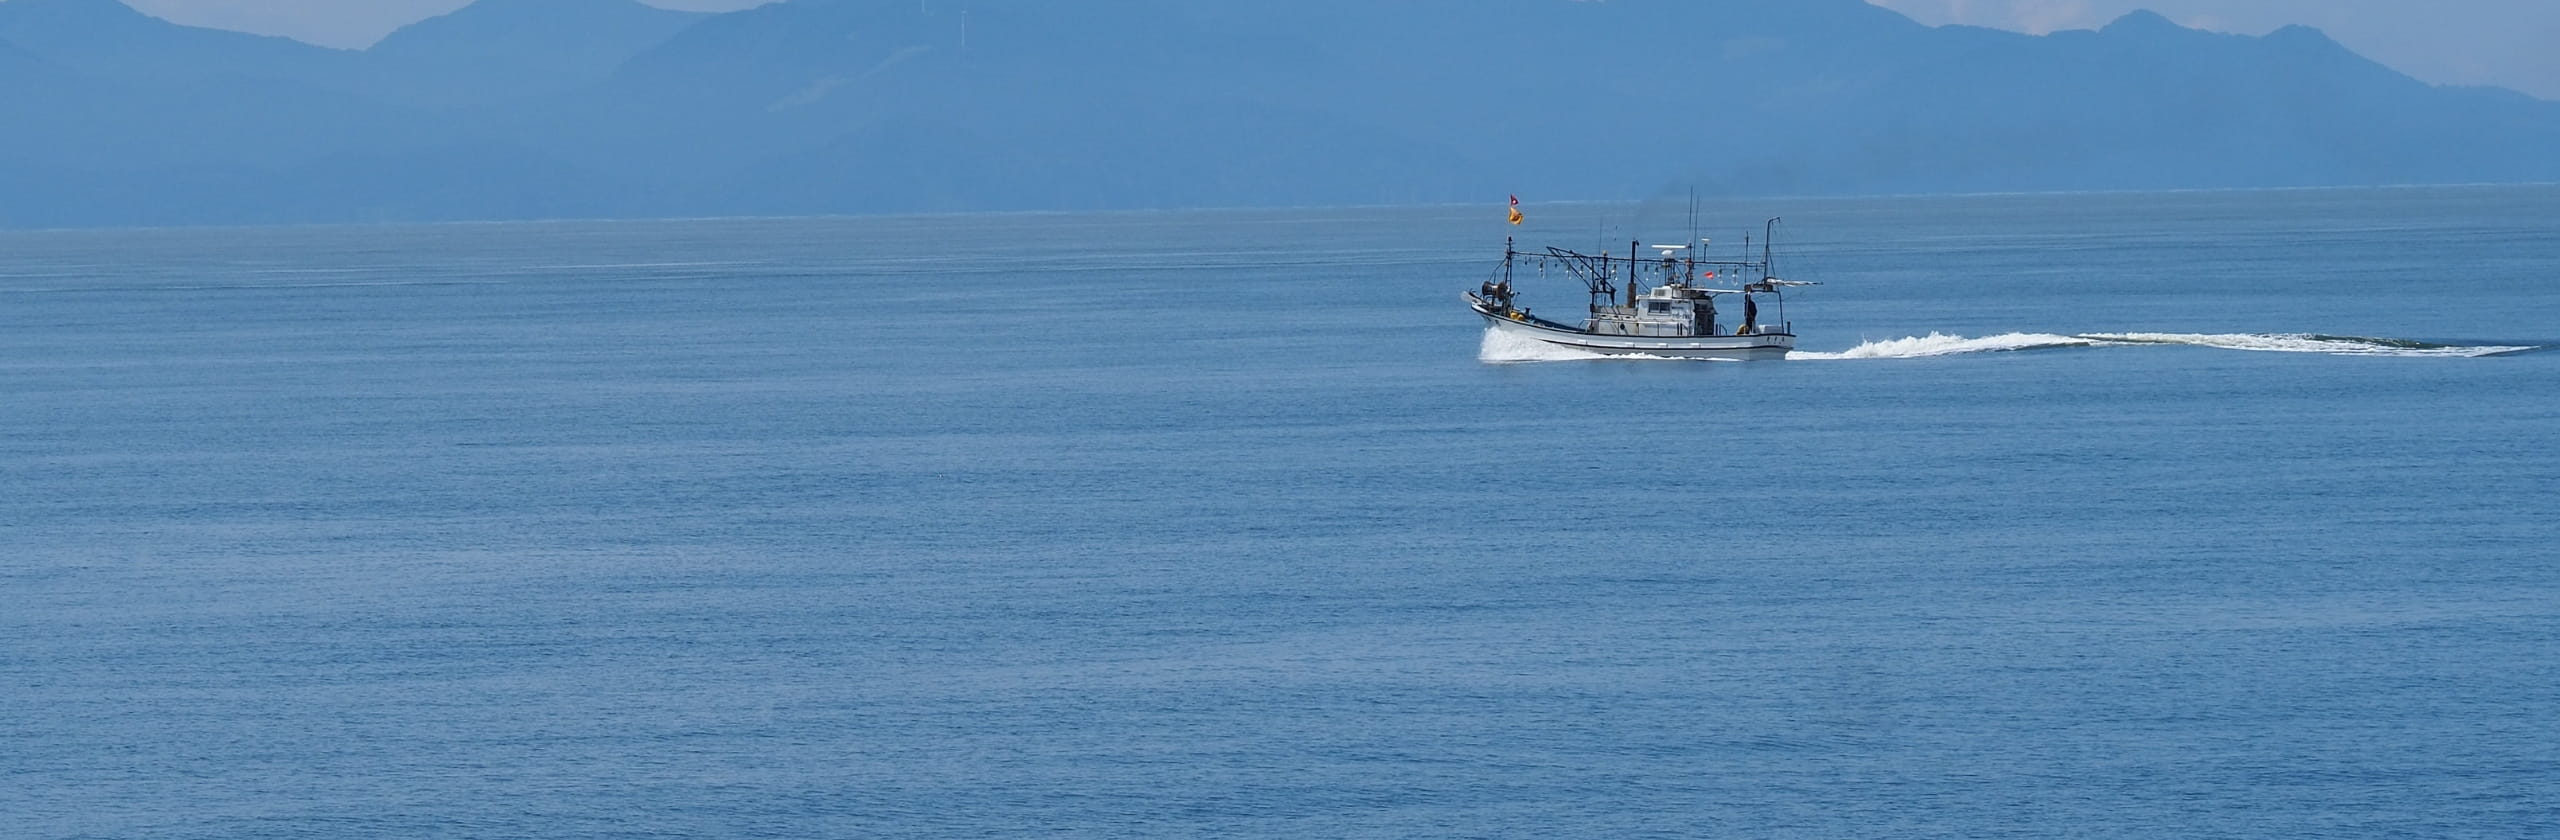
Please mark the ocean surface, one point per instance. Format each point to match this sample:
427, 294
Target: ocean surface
2221, 514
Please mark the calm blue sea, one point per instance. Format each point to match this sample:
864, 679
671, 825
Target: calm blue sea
2180, 515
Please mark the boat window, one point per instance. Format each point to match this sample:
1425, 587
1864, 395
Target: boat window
1659, 306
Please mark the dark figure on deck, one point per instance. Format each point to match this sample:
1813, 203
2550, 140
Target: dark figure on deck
1750, 314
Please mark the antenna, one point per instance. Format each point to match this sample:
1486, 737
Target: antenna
1769, 271
1693, 211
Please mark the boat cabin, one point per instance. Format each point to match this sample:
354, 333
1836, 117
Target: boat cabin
1671, 309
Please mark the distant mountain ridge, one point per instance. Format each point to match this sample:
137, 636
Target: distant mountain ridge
546, 108
526, 46
106, 38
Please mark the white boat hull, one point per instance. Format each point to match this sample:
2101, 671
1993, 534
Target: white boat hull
1753, 347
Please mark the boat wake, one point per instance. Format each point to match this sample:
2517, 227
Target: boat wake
2336, 345
1935, 344
1503, 348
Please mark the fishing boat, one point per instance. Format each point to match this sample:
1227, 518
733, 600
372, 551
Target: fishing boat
1669, 307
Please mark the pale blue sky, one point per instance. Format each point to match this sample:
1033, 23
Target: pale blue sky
2502, 42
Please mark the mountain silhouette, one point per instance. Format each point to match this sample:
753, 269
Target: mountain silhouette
109, 39
544, 108
499, 50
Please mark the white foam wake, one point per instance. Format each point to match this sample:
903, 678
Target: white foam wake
1935, 344
1503, 347
2337, 345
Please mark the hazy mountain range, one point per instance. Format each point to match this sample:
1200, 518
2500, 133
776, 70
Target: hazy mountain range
583, 108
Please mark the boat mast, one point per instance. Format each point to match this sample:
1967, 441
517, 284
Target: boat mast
1633, 267
1508, 251
1767, 271
1691, 275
